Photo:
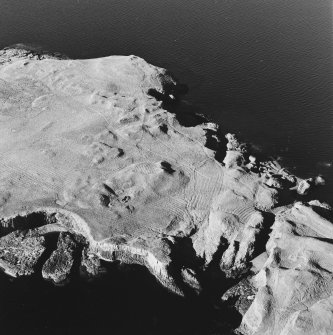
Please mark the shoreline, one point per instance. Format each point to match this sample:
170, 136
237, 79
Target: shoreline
118, 177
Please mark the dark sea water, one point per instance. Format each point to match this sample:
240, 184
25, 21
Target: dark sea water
125, 300
260, 68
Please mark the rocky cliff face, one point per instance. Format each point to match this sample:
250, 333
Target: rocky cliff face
93, 167
295, 282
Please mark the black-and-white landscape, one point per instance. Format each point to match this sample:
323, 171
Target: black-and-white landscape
166, 167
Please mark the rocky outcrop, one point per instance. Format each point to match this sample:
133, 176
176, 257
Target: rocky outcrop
90, 263
20, 252
154, 254
303, 187
89, 154
58, 267
235, 153
241, 295
295, 284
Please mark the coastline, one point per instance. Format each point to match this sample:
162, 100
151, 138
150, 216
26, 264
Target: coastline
137, 164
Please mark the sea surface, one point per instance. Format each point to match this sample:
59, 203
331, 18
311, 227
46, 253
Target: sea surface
124, 300
262, 69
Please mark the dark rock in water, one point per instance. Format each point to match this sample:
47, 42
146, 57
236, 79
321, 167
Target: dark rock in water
90, 263
235, 152
20, 252
233, 143
319, 180
233, 159
190, 278
303, 187
58, 267
241, 295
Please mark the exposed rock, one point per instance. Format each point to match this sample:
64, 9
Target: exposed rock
275, 182
90, 263
317, 203
26, 52
242, 249
295, 285
258, 262
20, 252
190, 278
228, 258
88, 144
304, 187
319, 180
233, 143
58, 267
252, 159
241, 295
234, 220
235, 150
233, 159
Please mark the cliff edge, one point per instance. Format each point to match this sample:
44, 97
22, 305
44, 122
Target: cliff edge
89, 154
